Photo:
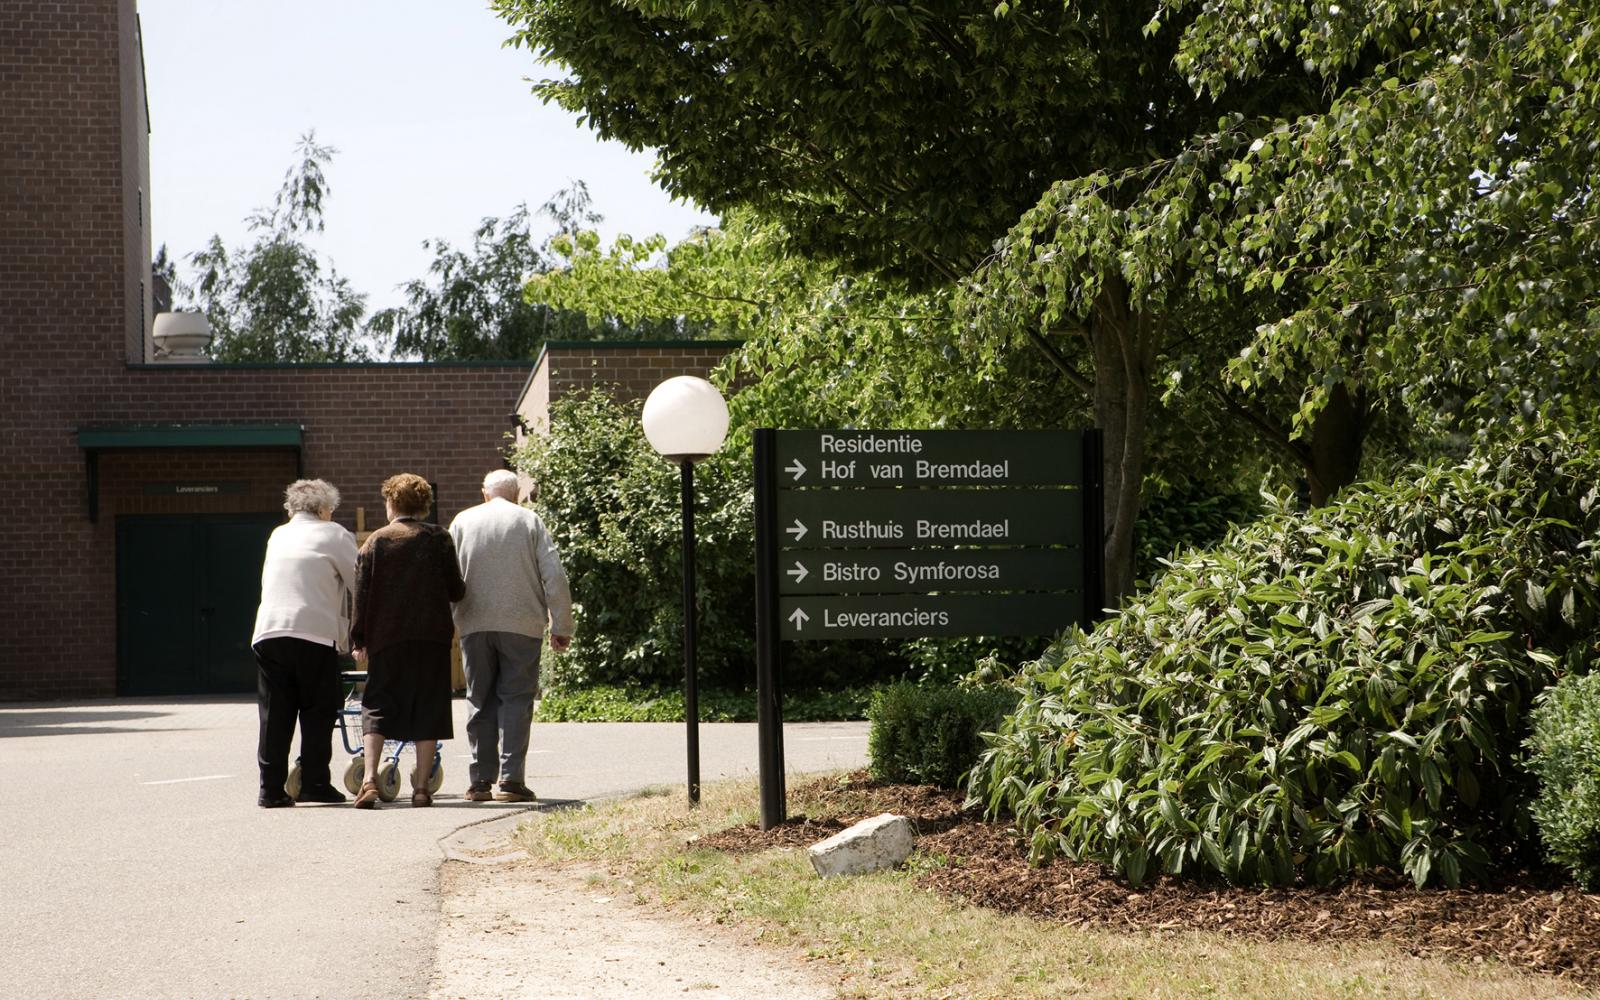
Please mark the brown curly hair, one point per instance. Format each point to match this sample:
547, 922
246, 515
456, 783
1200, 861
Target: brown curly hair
409, 495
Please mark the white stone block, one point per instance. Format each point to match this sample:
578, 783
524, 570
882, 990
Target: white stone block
880, 842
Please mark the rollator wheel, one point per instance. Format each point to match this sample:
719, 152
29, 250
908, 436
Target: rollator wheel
436, 779
292, 786
388, 781
353, 775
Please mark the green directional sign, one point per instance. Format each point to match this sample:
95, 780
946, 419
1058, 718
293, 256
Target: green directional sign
928, 458
906, 617
832, 519
918, 571
866, 534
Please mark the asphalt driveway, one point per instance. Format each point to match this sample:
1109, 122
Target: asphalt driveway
135, 862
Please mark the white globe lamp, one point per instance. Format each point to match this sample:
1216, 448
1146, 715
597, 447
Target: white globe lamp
685, 417
686, 420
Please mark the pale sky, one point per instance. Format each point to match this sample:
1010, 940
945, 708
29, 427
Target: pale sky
433, 122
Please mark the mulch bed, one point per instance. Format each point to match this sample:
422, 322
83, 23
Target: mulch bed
1531, 921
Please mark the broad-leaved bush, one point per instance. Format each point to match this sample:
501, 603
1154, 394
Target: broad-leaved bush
1323, 693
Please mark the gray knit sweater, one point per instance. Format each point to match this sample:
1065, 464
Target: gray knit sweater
514, 577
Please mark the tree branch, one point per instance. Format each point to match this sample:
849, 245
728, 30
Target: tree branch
1273, 433
1061, 363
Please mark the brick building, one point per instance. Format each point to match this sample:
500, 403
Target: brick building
626, 370
142, 491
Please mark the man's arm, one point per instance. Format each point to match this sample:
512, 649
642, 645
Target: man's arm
553, 582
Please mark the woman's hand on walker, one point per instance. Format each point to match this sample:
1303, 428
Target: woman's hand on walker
360, 654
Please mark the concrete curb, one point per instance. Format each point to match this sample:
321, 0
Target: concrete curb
471, 843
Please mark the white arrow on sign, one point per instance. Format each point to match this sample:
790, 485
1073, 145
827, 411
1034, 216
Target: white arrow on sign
795, 468
799, 572
798, 531
799, 617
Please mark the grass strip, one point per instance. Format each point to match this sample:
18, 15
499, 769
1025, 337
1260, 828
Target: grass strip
893, 938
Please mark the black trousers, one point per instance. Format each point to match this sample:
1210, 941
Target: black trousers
296, 679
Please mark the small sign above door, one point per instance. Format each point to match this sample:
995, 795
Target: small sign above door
188, 489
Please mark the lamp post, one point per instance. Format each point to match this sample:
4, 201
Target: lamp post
686, 420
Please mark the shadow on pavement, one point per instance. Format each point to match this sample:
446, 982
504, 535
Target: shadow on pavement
72, 722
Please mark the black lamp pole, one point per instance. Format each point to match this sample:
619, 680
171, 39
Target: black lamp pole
691, 694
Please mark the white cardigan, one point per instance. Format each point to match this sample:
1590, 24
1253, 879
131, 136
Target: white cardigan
306, 582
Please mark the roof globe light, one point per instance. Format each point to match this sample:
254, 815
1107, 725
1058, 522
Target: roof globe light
685, 418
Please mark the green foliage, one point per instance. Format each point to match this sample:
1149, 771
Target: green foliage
276, 299
609, 703
1564, 754
1322, 694
929, 734
1188, 518
901, 139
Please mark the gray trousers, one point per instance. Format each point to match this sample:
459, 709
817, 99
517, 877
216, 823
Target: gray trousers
502, 671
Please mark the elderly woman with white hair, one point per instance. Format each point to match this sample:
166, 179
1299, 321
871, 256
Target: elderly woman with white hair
302, 624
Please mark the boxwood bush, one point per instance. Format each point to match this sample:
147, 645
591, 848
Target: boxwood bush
1565, 755
929, 733
1323, 693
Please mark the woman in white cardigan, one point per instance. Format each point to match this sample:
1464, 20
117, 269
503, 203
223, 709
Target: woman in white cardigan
301, 625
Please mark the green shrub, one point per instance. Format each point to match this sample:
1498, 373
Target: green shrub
929, 734
608, 703
1324, 693
1565, 757
613, 507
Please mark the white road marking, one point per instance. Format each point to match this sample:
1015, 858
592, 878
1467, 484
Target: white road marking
179, 781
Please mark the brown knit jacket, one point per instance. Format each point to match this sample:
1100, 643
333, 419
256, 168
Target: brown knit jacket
406, 578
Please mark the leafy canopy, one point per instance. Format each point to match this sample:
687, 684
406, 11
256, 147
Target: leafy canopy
900, 139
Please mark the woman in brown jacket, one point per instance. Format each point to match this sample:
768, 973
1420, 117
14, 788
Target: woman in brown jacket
406, 578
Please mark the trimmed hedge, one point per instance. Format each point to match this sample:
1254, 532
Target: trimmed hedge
931, 735
1324, 693
1565, 755
608, 703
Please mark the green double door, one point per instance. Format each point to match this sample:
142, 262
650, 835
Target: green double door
187, 590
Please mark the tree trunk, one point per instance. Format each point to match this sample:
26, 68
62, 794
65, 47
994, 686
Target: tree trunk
1337, 436
1123, 344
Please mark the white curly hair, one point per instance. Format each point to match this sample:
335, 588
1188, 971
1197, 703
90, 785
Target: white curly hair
310, 495
502, 483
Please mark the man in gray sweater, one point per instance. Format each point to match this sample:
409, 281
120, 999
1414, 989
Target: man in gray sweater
515, 586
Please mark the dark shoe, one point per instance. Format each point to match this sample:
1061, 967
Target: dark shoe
420, 798
480, 793
367, 798
513, 791
320, 793
278, 801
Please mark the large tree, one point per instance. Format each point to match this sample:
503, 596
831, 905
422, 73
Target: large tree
905, 140
276, 298
472, 307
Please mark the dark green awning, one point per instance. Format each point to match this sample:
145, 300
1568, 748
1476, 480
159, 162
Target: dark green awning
94, 440
191, 436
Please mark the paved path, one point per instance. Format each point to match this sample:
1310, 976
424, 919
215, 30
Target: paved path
134, 862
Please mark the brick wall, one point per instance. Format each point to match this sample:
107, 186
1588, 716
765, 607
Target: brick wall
362, 424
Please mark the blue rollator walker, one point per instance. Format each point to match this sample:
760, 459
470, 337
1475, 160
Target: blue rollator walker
389, 762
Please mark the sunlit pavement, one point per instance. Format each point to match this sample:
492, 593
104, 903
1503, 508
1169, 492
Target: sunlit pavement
136, 863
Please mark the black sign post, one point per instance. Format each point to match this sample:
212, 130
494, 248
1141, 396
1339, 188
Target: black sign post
906, 534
